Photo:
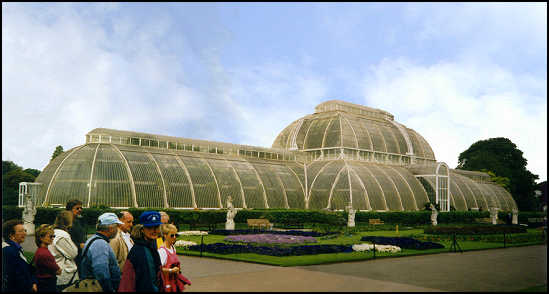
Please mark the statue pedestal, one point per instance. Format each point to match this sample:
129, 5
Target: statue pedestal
30, 228
351, 224
229, 225
514, 221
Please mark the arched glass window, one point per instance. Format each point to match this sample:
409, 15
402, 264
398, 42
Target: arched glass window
442, 184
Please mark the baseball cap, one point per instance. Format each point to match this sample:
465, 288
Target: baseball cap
150, 219
108, 218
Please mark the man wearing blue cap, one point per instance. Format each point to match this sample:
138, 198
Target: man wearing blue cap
143, 269
98, 260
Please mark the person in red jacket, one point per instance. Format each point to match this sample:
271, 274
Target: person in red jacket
44, 262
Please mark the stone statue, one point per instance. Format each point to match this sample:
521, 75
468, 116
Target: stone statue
494, 215
351, 216
434, 215
231, 212
515, 217
28, 214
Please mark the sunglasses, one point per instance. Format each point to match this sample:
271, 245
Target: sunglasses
53, 236
173, 235
78, 208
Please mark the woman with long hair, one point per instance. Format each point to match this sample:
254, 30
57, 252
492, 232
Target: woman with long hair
64, 250
44, 262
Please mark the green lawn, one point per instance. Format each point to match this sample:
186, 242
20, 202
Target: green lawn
346, 240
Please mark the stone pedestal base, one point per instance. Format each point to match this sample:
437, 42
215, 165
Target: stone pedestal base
29, 227
351, 224
229, 226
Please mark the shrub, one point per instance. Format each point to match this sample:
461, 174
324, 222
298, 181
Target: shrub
475, 229
221, 248
402, 242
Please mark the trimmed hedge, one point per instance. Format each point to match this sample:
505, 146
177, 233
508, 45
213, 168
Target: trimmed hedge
249, 232
478, 229
277, 216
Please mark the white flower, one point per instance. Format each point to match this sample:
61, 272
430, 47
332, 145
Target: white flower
379, 248
192, 233
184, 243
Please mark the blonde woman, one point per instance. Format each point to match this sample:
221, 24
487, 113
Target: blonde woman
171, 271
64, 250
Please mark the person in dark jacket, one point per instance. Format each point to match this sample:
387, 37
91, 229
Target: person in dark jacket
142, 271
17, 273
78, 230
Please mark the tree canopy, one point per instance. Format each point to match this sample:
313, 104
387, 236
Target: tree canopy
58, 150
12, 175
502, 157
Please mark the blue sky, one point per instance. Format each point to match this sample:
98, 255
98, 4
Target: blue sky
241, 72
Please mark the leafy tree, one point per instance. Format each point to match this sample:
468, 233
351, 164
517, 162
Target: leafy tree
58, 151
503, 158
12, 175
502, 181
32, 171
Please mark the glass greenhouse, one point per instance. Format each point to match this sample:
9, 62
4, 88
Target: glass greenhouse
342, 153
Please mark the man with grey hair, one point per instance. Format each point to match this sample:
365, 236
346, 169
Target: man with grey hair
164, 219
121, 244
98, 260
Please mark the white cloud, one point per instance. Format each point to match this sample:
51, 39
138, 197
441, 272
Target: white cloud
61, 78
454, 105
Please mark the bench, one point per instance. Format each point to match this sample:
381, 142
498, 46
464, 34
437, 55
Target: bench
487, 220
196, 225
259, 222
536, 222
375, 221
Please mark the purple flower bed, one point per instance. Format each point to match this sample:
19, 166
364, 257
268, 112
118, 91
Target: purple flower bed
270, 239
402, 242
291, 232
221, 248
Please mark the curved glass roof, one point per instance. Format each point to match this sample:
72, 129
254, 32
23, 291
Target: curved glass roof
346, 125
342, 153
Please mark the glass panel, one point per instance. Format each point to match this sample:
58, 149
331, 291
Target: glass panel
333, 134
391, 197
275, 196
111, 184
148, 184
375, 195
316, 133
45, 176
204, 185
320, 190
405, 193
253, 192
390, 140
340, 193
227, 181
178, 188
359, 195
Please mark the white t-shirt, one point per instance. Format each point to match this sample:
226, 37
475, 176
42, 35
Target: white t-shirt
164, 255
127, 240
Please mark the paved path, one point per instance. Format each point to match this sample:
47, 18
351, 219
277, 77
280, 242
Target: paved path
494, 270
507, 269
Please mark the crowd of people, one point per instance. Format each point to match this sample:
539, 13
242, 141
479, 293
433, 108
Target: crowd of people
119, 257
